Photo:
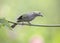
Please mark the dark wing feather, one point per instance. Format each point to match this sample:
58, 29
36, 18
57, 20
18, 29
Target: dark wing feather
19, 18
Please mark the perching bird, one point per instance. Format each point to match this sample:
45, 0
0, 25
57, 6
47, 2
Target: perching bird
27, 17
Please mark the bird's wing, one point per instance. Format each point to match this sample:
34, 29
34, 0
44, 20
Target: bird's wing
19, 18
25, 16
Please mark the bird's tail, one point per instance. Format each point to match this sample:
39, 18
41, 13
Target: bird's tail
14, 25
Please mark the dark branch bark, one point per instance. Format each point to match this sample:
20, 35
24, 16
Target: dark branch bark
38, 25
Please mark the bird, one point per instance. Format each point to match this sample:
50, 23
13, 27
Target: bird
27, 17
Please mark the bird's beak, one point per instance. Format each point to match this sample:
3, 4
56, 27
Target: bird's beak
41, 15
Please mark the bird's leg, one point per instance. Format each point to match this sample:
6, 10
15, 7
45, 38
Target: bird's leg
29, 23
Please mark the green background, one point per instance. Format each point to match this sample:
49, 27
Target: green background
11, 9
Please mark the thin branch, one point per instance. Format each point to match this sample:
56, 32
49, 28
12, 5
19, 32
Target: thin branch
11, 22
38, 25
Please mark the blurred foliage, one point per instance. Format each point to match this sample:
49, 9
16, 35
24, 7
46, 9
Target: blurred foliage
4, 32
4, 22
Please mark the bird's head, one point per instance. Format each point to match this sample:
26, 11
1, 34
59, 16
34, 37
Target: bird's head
38, 14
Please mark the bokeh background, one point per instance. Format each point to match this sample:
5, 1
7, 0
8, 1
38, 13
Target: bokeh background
11, 9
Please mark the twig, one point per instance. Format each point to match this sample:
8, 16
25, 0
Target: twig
11, 22
39, 25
